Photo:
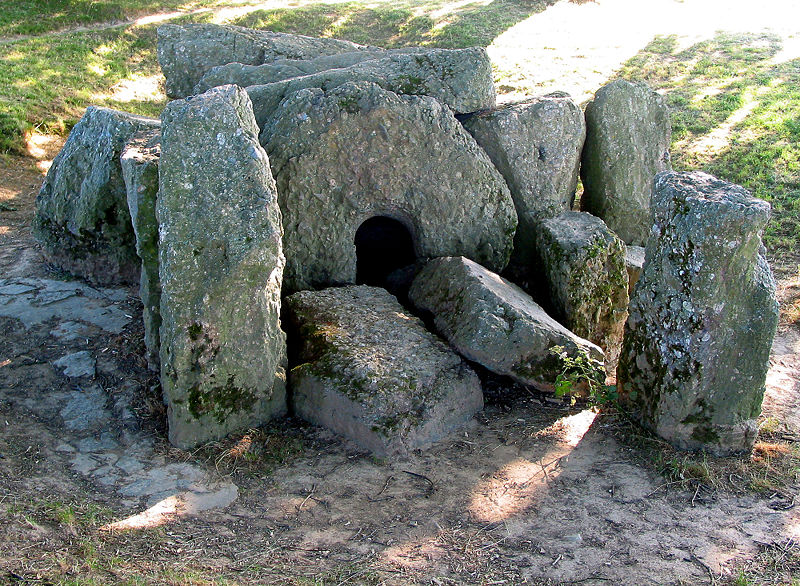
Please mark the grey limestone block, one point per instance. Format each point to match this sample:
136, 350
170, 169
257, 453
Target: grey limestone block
139, 163
343, 156
491, 321
536, 145
702, 317
186, 52
461, 79
247, 75
370, 371
223, 353
584, 265
628, 133
82, 218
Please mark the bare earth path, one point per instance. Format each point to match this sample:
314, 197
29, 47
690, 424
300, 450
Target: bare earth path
531, 491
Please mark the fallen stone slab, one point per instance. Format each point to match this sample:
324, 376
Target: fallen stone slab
82, 218
220, 266
493, 322
702, 317
356, 152
628, 133
370, 371
187, 52
536, 145
139, 163
458, 78
247, 75
583, 263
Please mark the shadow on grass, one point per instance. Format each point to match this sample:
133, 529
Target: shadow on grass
735, 114
402, 24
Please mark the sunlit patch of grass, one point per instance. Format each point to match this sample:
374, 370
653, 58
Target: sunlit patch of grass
728, 87
62, 75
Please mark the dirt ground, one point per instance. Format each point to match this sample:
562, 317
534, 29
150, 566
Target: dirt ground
531, 491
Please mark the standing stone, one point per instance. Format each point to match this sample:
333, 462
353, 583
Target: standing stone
358, 151
493, 322
634, 263
371, 372
187, 52
628, 135
139, 163
536, 145
459, 78
247, 75
220, 265
584, 266
702, 317
82, 218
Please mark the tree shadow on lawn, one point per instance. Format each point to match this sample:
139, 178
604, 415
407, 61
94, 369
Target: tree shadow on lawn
402, 24
735, 114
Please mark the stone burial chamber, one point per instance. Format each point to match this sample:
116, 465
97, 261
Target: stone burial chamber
350, 234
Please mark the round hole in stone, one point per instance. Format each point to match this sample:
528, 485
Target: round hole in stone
383, 247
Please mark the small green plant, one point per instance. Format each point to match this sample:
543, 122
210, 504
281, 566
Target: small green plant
582, 376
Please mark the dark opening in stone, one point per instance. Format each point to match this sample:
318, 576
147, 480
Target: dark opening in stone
383, 247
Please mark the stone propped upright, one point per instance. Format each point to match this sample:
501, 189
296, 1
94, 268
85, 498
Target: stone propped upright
220, 263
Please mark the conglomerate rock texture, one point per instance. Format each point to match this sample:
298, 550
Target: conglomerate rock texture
371, 372
495, 323
702, 317
223, 354
82, 217
628, 133
344, 156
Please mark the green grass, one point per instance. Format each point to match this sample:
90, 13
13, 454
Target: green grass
711, 83
34, 17
48, 81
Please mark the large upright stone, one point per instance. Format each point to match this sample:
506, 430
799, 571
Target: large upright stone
220, 265
458, 78
139, 163
493, 322
186, 52
247, 75
536, 145
628, 134
371, 372
347, 155
82, 218
584, 265
702, 317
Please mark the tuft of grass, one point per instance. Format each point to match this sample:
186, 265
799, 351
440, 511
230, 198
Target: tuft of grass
729, 92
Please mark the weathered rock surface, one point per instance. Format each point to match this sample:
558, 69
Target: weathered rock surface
187, 52
495, 323
220, 266
372, 372
82, 218
628, 134
536, 145
358, 151
139, 163
458, 78
584, 265
634, 262
702, 317
247, 75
